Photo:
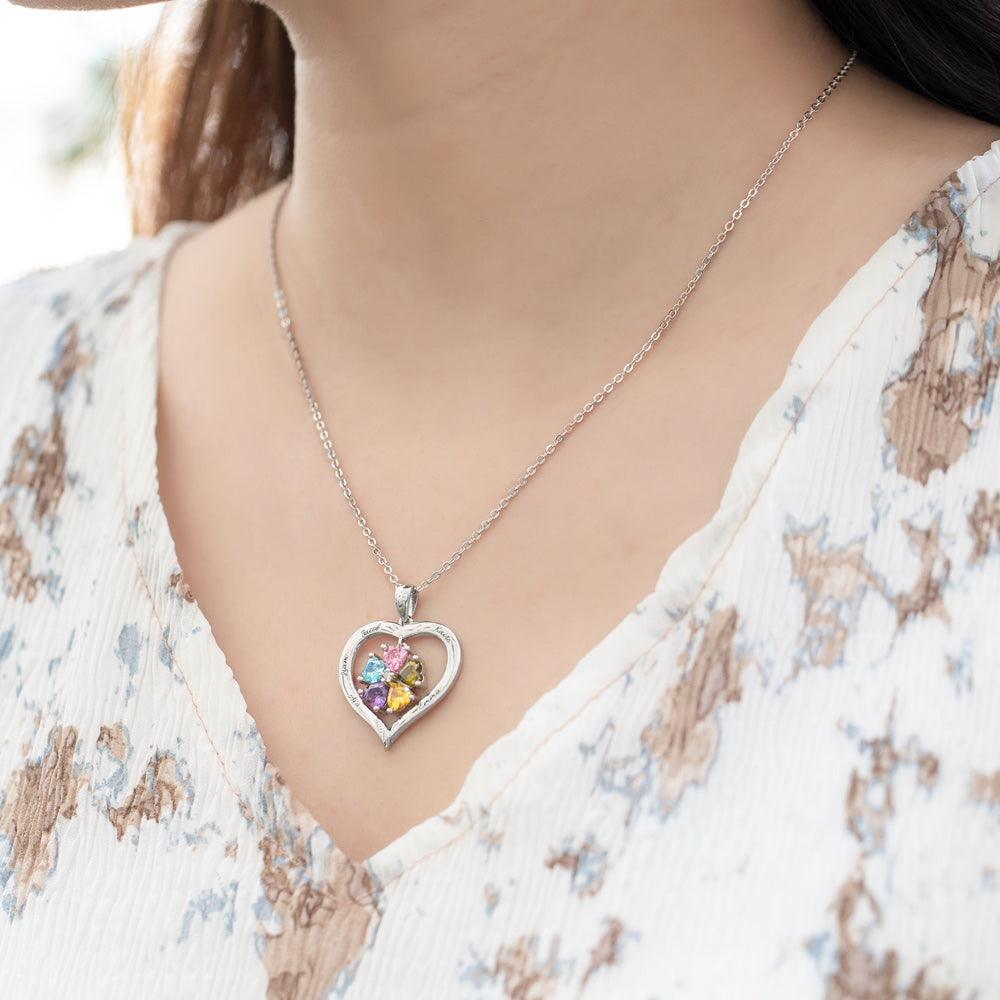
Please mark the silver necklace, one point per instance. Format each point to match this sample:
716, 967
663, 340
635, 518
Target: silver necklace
386, 692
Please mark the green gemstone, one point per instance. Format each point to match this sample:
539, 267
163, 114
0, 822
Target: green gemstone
412, 672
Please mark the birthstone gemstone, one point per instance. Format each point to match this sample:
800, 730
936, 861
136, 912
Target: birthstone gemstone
375, 696
372, 673
413, 672
396, 656
399, 697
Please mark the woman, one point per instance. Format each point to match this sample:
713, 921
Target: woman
725, 721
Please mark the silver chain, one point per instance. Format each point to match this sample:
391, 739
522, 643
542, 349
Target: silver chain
580, 415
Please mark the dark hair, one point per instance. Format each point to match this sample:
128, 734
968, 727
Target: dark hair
947, 50
208, 115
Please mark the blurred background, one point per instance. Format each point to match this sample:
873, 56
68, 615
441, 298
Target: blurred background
62, 176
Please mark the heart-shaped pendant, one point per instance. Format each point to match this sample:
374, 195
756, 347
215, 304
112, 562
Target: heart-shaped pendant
387, 684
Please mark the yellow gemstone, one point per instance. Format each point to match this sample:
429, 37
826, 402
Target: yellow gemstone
413, 672
399, 697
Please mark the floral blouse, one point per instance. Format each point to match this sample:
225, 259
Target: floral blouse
777, 777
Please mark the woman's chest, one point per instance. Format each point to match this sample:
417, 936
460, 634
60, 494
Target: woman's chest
776, 776
709, 814
792, 787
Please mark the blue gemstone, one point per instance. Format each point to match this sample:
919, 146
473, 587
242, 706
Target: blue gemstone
372, 673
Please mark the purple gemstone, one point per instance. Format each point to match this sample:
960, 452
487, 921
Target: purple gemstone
375, 696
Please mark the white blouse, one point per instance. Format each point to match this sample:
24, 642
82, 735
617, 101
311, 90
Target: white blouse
777, 777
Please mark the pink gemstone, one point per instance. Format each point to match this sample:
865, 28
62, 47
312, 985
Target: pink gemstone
396, 656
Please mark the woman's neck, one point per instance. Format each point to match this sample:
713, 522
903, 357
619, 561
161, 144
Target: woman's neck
489, 158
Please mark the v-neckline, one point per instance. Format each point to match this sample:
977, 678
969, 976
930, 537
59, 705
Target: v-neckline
219, 700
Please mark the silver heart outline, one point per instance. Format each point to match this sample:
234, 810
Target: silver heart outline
389, 734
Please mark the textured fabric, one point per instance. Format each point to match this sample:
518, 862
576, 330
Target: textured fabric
777, 777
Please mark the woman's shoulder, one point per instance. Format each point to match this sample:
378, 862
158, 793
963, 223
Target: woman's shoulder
100, 284
52, 317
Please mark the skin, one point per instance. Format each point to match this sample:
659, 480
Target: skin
493, 205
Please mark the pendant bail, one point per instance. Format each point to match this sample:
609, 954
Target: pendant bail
406, 603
